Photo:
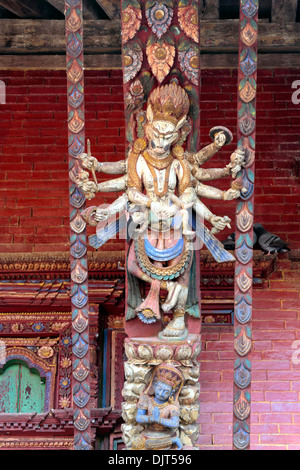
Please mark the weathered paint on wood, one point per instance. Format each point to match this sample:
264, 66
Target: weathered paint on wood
246, 135
31, 391
284, 11
21, 390
78, 242
9, 389
104, 36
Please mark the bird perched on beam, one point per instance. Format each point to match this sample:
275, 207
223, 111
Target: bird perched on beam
269, 242
262, 240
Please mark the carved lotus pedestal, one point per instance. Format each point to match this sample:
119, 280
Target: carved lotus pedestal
143, 358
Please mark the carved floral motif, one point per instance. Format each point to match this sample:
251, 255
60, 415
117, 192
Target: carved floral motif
249, 34
188, 20
247, 91
159, 15
189, 64
161, 58
131, 22
132, 61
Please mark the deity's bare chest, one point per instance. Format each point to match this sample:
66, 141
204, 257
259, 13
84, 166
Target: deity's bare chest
160, 180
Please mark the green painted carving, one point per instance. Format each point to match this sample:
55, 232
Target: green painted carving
22, 390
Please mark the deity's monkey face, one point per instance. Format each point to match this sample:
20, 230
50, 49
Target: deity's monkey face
161, 135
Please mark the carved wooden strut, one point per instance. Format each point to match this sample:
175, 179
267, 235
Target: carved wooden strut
247, 88
78, 245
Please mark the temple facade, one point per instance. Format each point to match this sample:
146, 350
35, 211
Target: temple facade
36, 324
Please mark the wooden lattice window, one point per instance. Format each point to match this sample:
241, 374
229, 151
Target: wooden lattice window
22, 389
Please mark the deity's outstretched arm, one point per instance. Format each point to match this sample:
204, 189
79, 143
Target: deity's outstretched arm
114, 185
218, 223
209, 192
220, 139
204, 154
111, 168
208, 174
237, 161
137, 197
202, 210
90, 188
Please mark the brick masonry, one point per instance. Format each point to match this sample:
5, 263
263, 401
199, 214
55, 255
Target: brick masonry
276, 369
34, 214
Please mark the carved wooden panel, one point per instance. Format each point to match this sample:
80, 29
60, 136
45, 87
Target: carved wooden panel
247, 86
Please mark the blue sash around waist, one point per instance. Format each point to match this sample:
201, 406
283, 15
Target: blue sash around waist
166, 254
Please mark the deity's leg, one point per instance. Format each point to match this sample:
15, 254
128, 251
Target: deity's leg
174, 289
149, 310
177, 301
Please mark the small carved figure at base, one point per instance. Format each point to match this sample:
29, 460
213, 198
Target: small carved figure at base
159, 410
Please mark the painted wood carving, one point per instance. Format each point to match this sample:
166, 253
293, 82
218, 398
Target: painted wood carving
161, 182
247, 86
78, 245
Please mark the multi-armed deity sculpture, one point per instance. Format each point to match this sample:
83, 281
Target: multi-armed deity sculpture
162, 185
161, 188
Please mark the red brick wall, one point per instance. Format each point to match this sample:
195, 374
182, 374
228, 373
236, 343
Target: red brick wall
276, 317
34, 207
275, 416
35, 217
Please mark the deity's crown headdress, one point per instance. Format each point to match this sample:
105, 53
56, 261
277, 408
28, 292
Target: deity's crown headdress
169, 103
170, 376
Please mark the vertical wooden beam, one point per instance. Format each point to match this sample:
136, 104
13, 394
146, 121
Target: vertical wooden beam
246, 125
284, 11
210, 10
78, 242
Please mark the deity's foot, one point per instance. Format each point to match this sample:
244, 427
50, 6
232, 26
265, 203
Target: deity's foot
173, 293
176, 328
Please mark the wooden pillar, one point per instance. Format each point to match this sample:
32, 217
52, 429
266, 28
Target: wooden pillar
160, 47
78, 242
247, 87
